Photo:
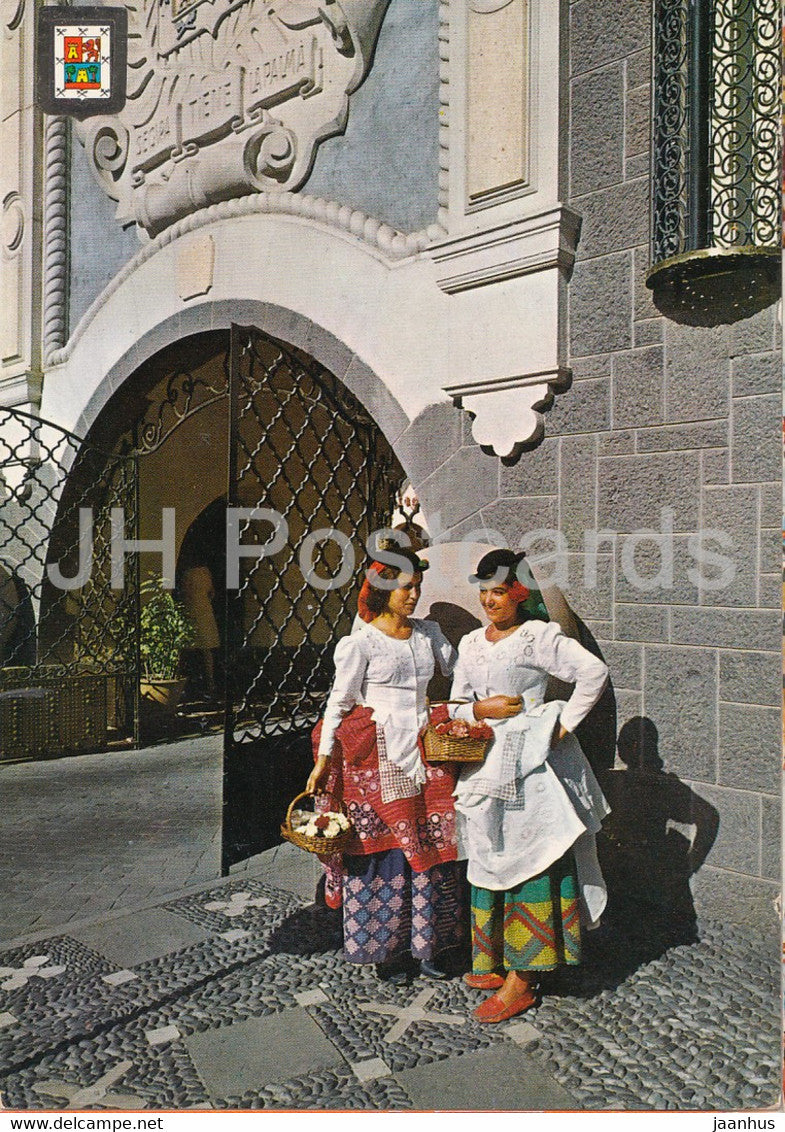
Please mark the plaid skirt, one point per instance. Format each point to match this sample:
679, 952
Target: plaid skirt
533, 927
389, 909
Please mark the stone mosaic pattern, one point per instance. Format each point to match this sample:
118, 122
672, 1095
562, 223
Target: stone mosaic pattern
640, 1027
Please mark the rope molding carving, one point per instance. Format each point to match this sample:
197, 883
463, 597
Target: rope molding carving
55, 235
394, 245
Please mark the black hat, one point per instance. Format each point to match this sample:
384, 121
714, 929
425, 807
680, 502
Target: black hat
495, 561
419, 565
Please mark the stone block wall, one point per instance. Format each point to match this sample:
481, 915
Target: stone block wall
662, 418
693, 425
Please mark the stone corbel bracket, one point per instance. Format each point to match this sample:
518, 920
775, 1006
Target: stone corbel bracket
523, 266
506, 412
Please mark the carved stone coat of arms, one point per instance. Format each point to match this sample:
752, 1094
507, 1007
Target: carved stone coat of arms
227, 98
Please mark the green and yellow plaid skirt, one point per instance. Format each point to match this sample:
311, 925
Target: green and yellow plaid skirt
533, 927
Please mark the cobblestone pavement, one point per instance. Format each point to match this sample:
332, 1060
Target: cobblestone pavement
133, 977
238, 997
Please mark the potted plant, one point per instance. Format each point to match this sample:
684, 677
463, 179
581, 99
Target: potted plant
164, 630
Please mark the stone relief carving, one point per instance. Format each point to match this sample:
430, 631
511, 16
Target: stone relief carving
13, 11
485, 7
227, 98
13, 223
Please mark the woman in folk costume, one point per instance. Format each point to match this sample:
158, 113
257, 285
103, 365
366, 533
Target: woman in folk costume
403, 898
527, 816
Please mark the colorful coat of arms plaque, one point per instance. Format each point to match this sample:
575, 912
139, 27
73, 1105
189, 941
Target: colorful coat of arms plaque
81, 60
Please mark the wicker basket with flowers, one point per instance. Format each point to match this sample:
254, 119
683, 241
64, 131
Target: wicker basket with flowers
324, 832
455, 740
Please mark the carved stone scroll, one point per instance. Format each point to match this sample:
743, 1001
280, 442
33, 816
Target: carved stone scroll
227, 98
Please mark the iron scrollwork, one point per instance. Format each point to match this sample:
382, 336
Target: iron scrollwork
716, 144
186, 393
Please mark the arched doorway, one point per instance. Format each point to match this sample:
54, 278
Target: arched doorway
243, 417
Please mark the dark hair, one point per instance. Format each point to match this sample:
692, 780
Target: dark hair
378, 596
496, 560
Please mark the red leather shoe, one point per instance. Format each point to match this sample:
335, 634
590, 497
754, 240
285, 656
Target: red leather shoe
494, 1009
489, 981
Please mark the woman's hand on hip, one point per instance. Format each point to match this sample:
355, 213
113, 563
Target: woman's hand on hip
317, 779
498, 707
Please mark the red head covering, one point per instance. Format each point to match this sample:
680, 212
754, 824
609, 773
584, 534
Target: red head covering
362, 600
518, 591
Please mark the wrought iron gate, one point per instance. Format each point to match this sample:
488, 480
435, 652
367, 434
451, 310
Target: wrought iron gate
68, 635
301, 446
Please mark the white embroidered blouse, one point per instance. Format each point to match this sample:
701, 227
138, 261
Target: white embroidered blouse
390, 676
519, 665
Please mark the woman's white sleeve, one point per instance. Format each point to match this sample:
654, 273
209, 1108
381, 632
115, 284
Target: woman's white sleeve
462, 689
563, 657
443, 652
351, 664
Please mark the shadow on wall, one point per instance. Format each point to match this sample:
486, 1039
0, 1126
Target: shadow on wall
597, 733
657, 836
455, 622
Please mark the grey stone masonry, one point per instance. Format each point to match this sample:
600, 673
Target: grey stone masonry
648, 331
749, 747
589, 584
756, 449
598, 110
705, 436
750, 677
599, 306
578, 471
634, 490
625, 662
697, 372
771, 837
734, 512
680, 697
603, 33
637, 388
588, 408
756, 373
416, 449
460, 487
654, 567
641, 622
667, 427
521, 517
613, 216
538, 474
727, 628
770, 545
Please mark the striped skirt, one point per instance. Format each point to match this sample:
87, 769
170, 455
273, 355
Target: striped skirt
533, 927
